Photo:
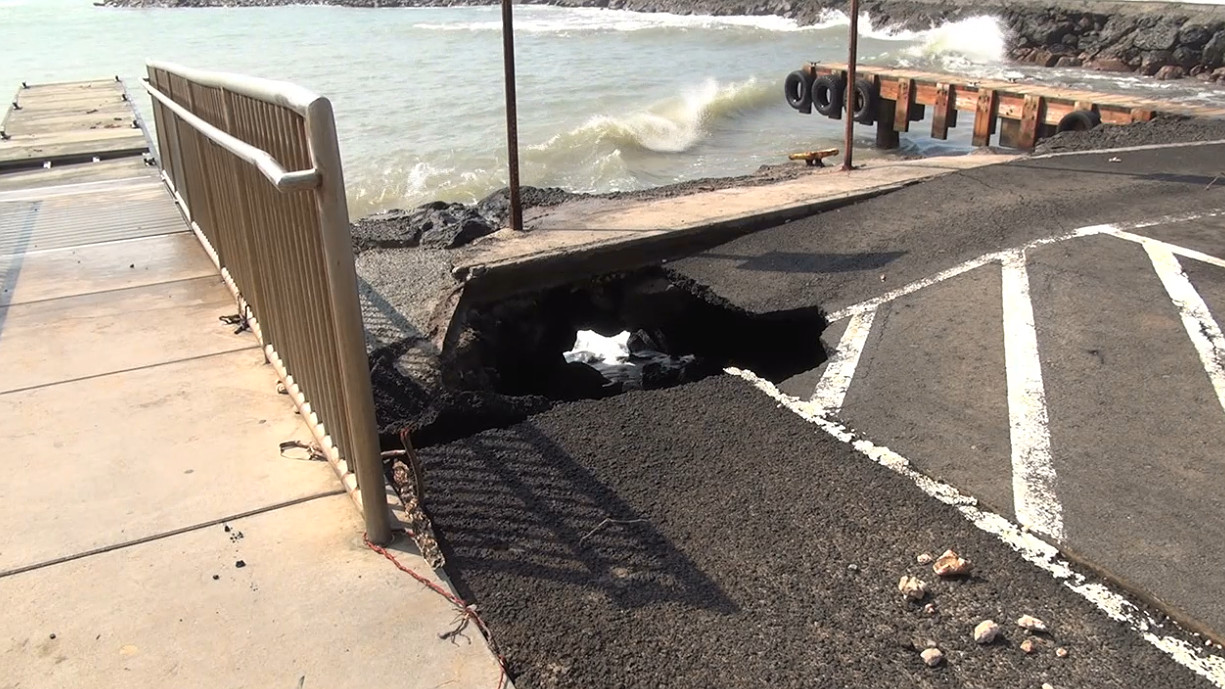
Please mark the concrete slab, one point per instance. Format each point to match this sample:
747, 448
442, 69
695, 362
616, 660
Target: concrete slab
313, 607
599, 236
111, 459
135, 423
107, 267
49, 342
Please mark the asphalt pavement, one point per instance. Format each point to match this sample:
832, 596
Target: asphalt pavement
839, 257
1021, 355
703, 536
1012, 333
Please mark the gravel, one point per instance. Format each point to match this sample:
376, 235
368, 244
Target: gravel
701, 536
1163, 130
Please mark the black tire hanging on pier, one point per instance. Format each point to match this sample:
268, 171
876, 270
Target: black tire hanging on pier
798, 90
827, 91
1079, 121
866, 102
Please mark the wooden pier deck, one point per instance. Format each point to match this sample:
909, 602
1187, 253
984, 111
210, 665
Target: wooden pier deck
1022, 114
70, 123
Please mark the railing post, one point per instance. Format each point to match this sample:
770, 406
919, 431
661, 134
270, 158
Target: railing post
341, 279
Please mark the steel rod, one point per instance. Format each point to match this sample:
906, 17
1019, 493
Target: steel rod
512, 117
849, 99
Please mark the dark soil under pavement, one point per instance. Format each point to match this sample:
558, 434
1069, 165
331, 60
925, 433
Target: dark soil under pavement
759, 552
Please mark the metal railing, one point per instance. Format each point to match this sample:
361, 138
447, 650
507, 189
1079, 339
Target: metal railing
255, 167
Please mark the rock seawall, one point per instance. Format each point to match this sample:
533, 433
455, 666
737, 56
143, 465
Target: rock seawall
1165, 40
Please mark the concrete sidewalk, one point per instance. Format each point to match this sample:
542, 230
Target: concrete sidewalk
153, 533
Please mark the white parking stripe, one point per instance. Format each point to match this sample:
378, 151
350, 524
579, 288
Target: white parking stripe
1165, 636
1203, 330
1033, 474
1173, 248
871, 304
836, 380
1116, 230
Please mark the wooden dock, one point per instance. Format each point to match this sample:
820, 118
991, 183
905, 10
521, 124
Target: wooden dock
1022, 114
70, 123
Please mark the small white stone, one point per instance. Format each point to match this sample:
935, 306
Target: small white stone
1031, 623
924, 559
1047, 685
930, 608
912, 587
1061, 652
986, 631
932, 656
1029, 645
951, 565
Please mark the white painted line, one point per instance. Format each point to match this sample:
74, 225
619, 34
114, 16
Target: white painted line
1033, 474
836, 380
872, 304
1166, 637
1118, 230
1173, 248
1201, 327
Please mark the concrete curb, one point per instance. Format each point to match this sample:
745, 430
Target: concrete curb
500, 279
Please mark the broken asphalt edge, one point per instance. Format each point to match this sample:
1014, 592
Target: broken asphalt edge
509, 277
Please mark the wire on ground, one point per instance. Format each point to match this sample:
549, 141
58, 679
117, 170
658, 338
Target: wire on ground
468, 612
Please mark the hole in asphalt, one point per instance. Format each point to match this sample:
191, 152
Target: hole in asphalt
645, 329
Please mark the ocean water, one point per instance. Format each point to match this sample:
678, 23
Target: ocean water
608, 100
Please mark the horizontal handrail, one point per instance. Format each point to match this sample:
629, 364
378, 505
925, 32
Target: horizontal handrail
262, 160
280, 93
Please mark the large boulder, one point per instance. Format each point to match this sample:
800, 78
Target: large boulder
1117, 28
1186, 57
1110, 64
1193, 35
1214, 50
1162, 36
1153, 61
449, 230
1171, 72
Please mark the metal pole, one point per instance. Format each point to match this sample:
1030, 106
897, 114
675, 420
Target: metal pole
512, 117
849, 99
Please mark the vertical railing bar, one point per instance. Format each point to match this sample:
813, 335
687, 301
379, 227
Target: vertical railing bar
244, 234
301, 339
309, 215
315, 298
267, 249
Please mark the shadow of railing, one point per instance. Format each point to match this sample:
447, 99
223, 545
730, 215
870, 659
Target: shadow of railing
12, 253
516, 503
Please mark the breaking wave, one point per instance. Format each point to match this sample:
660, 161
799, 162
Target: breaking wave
974, 40
671, 126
